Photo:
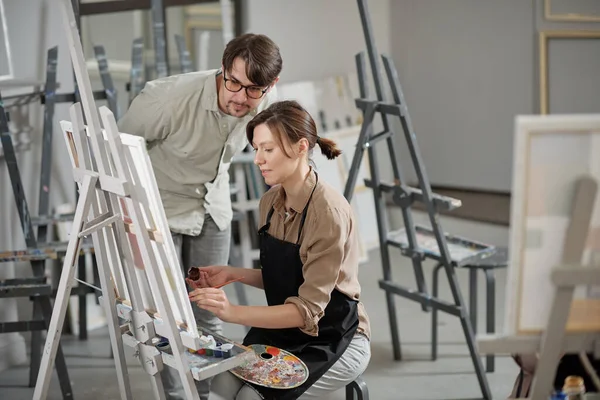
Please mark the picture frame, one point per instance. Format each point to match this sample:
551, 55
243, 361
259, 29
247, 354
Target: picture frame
544, 39
568, 17
551, 152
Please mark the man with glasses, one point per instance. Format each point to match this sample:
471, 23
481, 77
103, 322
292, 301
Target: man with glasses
193, 125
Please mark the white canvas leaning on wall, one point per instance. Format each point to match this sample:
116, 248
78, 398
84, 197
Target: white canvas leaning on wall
550, 153
140, 167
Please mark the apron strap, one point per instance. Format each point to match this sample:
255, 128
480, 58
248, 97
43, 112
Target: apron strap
265, 227
305, 211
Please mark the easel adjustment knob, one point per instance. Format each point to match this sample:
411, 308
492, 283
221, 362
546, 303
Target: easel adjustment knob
142, 326
150, 359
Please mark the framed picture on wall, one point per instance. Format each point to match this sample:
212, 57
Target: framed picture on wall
572, 10
567, 61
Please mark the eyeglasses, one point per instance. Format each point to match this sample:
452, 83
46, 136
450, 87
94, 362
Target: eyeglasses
254, 92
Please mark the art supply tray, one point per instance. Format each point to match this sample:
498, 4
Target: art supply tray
205, 364
461, 250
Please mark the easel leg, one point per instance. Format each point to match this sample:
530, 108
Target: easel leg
82, 300
64, 291
36, 345
465, 322
109, 303
36, 336
61, 363
551, 344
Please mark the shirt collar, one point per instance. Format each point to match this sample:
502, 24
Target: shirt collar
301, 201
210, 96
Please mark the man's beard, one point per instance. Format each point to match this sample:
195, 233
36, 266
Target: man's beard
231, 108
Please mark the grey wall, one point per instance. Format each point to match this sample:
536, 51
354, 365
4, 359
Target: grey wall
317, 38
468, 67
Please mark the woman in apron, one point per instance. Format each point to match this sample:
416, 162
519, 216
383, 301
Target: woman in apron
309, 254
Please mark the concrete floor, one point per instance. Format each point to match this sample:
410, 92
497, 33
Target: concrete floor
416, 377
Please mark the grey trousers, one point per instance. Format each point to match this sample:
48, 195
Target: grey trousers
211, 247
351, 364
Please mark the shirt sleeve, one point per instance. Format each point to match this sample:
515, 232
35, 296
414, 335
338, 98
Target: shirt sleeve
325, 242
147, 116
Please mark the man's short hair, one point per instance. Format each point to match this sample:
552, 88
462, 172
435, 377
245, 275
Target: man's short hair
261, 54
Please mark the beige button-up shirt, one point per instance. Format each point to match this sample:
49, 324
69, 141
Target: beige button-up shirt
191, 144
328, 248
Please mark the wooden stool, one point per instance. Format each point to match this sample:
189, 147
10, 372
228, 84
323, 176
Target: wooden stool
488, 263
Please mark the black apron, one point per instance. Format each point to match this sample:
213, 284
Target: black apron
282, 276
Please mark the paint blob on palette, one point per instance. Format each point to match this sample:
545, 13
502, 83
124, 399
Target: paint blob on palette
273, 368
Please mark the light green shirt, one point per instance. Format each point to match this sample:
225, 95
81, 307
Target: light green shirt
191, 144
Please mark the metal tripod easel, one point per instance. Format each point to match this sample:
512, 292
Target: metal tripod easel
410, 238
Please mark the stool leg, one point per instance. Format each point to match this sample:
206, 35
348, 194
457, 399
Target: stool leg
350, 392
490, 279
434, 311
359, 386
473, 298
362, 390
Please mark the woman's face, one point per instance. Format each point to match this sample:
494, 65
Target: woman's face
273, 162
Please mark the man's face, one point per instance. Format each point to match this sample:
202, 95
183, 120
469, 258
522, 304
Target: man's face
239, 103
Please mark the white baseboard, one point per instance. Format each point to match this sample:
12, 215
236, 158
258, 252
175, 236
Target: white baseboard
13, 350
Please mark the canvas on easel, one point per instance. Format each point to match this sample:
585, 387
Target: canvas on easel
156, 224
550, 154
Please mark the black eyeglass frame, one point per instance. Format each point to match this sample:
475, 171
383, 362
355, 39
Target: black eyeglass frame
263, 91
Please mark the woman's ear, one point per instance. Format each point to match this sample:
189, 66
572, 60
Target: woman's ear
303, 146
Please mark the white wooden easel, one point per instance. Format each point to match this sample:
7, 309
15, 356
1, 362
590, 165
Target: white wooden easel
573, 325
114, 208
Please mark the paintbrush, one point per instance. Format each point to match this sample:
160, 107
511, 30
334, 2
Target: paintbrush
221, 285
228, 282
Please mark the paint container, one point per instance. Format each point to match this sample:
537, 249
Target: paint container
212, 341
164, 346
218, 352
226, 349
209, 352
191, 350
201, 352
